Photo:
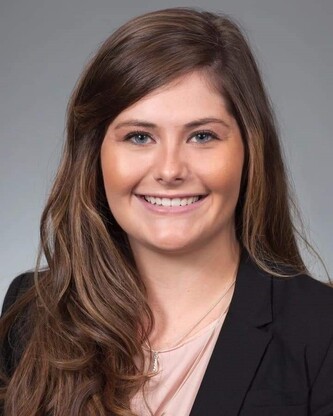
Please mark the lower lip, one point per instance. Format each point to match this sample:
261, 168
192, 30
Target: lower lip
172, 210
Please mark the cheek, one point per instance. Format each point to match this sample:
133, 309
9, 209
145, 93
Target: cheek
224, 173
120, 174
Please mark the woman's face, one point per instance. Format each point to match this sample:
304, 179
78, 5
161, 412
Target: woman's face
172, 165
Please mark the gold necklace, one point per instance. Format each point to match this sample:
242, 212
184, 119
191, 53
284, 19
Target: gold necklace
193, 366
155, 353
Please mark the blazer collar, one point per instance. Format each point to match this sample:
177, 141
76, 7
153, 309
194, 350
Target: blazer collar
240, 345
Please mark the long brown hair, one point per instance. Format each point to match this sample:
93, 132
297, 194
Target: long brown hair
84, 315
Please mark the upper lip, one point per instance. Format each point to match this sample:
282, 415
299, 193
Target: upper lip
172, 196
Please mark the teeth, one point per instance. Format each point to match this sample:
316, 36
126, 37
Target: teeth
175, 202
166, 202
171, 202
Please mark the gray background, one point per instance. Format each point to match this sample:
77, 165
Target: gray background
44, 45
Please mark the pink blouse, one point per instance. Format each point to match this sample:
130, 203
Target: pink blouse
172, 391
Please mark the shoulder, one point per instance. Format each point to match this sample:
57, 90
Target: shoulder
303, 292
16, 323
17, 288
302, 309
306, 319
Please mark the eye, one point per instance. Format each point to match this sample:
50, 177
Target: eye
138, 137
204, 136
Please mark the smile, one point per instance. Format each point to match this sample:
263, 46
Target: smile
172, 202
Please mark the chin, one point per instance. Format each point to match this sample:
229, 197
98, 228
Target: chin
173, 247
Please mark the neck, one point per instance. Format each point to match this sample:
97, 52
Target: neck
182, 287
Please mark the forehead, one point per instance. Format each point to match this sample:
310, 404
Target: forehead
189, 96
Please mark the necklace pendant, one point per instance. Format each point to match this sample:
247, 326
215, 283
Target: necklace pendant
155, 364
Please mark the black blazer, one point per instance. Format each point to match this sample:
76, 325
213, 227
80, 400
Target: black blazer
274, 354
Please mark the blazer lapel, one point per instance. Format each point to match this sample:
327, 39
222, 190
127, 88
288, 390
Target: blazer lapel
240, 346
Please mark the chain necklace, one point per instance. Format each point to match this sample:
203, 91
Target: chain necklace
193, 366
155, 353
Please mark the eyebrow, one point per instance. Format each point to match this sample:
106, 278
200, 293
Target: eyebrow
191, 124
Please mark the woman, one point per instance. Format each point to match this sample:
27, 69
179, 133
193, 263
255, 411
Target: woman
174, 283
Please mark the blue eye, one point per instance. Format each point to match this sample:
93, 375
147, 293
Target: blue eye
138, 137
204, 136
142, 138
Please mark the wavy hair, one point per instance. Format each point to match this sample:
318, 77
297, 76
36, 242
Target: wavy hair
84, 314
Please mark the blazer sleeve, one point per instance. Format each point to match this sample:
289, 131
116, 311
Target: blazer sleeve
16, 288
11, 348
321, 397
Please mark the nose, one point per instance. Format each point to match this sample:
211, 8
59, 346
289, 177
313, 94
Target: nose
171, 166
